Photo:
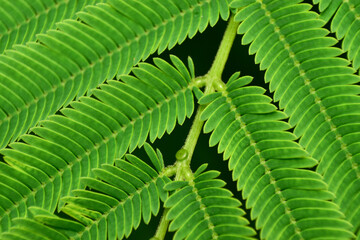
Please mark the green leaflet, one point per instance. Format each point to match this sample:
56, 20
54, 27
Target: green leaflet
286, 200
309, 87
20, 21
92, 132
106, 40
204, 209
327, 8
118, 198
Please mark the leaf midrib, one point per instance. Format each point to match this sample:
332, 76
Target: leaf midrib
319, 100
267, 170
112, 209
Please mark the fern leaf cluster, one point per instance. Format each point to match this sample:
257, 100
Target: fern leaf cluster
110, 39
117, 199
202, 209
288, 201
314, 87
77, 98
48, 165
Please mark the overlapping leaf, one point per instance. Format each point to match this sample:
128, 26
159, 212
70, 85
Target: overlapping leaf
328, 8
346, 25
115, 201
287, 201
106, 40
203, 209
49, 163
316, 89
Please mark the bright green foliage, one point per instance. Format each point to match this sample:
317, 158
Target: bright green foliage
110, 39
91, 133
61, 176
287, 201
314, 87
202, 209
118, 198
22, 20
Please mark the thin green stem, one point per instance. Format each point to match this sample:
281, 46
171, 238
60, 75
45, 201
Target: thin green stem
184, 155
222, 55
213, 76
170, 171
193, 136
162, 228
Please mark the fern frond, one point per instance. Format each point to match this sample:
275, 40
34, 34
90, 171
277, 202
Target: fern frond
110, 38
288, 202
20, 21
48, 165
116, 200
202, 209
315, 88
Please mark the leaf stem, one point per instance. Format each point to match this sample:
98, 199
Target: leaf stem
162, 228
184, 155
213, 76
222, 55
